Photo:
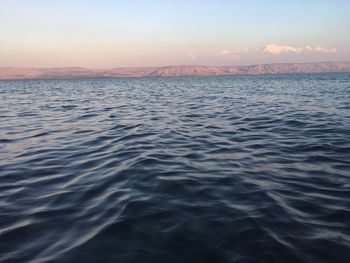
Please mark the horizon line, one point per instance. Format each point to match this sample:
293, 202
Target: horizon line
174, 65
8, 73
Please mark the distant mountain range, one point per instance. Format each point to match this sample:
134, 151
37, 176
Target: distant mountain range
7, 73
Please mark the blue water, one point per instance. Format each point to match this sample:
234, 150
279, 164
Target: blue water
202, 169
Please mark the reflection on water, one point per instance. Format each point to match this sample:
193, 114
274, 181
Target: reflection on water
210, 169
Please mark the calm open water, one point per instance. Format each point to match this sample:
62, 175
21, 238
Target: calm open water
202, 169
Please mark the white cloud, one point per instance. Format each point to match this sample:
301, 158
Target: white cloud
225, 52
278, 49
275, 49
325, 50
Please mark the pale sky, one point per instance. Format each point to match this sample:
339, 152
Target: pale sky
124, 33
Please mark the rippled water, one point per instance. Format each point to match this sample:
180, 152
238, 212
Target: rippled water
217, 169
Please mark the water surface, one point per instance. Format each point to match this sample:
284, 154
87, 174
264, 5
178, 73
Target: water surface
202, 169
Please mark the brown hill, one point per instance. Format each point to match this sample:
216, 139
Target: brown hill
7, 73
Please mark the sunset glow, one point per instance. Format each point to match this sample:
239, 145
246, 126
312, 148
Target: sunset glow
104, 34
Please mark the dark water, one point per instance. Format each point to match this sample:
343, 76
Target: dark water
218, 169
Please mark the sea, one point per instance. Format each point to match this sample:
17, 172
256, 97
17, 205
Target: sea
176, 169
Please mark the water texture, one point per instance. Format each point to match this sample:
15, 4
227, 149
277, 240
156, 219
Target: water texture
195, 169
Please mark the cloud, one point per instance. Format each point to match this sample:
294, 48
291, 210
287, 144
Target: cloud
266, 53
321, 49
225, 52
278, 49
275, 49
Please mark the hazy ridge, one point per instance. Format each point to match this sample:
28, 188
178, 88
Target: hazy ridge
7, 73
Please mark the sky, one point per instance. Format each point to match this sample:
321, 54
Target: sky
137, 33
